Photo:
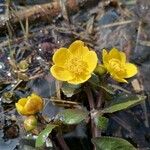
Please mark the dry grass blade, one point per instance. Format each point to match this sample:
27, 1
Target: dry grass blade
144, 43
117, 24
64, 10
122, 123
138, 36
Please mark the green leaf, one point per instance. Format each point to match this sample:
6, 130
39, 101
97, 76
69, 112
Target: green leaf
116, 87
124, 103
43, 135
101, 122
72, 116
112, 143
108, 89
70, 89
112, 88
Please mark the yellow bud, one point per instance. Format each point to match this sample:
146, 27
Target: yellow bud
30, 105
100, 70
30, 123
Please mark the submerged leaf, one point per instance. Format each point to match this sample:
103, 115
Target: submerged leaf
72, 116
112, 143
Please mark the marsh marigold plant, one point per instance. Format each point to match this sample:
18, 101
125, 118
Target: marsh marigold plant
30, 105
74, 64
115, 64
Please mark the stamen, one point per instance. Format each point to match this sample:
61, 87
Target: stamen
76, 65
117, 66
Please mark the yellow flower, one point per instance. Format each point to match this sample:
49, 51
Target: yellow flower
30, 105
30, 123
75, 64
116, 65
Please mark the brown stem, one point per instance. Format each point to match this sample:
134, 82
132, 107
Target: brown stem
99, 100
90, 97
62, 142
91, 104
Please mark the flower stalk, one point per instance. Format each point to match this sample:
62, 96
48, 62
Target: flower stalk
94, 130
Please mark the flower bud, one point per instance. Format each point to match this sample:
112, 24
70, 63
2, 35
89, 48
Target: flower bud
30, 123
30, 105
100, 70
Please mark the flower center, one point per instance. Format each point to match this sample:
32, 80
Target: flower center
117, 67
76, 65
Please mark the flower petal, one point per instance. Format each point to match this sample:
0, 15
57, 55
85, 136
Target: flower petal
79, 79
33, 105
114, 53
116, 78
20, 109
35, 96
77, 48
104, 56
131, 70
61, 56
123, 57
22, 101
91, 60
61, 73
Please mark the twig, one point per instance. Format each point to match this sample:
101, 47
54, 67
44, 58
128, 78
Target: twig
14, 87
67, 102
64, 10
58, 86
144, 43
117, 24
27, 29
146, 122
122, 123
36, 76
143, 105
138, 36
